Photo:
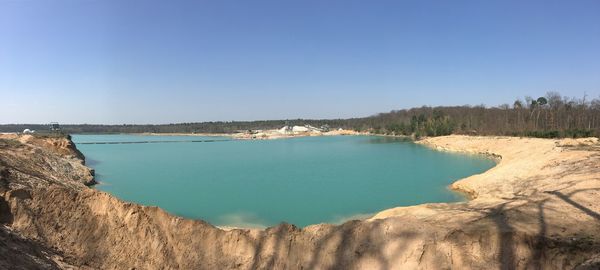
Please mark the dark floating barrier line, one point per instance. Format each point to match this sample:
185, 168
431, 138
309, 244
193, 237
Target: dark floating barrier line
193, 141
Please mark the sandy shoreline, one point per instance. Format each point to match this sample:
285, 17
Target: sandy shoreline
514, 164
271, 134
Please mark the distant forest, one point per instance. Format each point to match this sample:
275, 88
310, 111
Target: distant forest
549, 116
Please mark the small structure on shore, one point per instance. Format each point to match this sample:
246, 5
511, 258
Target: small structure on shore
286, 130
54, 126
28, 131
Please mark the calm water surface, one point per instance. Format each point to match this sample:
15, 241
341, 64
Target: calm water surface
256, 183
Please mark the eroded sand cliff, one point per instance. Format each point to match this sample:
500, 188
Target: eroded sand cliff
538, 208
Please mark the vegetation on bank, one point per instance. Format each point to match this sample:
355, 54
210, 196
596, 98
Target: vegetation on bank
549, 116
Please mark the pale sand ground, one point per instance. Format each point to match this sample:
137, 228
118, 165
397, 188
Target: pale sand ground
525, 166
275, 134
260, 134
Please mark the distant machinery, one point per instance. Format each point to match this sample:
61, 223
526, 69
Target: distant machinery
287, 129
54, 126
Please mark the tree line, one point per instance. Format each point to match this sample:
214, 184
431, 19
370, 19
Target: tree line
548, 116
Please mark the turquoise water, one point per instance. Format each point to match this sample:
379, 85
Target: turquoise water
259, 183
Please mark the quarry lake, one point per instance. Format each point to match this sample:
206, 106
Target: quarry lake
254, 183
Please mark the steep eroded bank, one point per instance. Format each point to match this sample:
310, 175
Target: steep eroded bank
539, 208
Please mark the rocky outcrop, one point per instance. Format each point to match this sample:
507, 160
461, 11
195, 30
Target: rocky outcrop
538, 209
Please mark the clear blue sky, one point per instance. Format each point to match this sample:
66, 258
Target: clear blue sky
186, 61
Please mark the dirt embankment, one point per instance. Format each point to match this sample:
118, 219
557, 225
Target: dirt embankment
539, 208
